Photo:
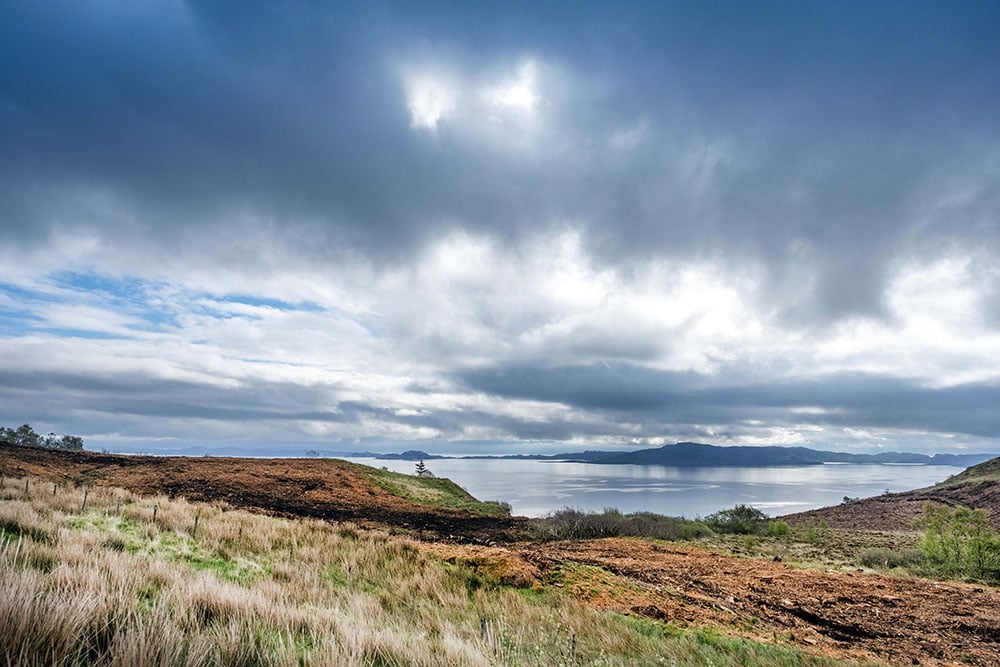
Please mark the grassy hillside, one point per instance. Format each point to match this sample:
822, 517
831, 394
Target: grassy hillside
103, 576
433, 491
983, 472
319, 488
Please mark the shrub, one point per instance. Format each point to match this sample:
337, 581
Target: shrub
740, 520
890, 558
960, 542
811, 531
777, 529
571, 524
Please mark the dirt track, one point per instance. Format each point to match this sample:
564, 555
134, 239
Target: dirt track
844, 614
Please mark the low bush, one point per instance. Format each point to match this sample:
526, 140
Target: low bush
740, 520
890, 558
571, 524
778, 529
812, 532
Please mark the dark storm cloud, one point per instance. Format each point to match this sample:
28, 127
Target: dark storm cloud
51, 395
828, 132
667, 398
805, 155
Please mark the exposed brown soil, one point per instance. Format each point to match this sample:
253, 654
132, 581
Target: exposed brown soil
845, 614
898, 511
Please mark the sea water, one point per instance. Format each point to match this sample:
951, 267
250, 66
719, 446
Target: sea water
534, 488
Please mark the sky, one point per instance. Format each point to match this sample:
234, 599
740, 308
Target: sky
505, 227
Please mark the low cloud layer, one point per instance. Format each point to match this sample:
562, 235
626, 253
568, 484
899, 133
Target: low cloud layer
513, 224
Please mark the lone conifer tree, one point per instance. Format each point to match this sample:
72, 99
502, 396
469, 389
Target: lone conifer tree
421, 469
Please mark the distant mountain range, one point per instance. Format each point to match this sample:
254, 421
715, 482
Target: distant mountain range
693, 455
680, 455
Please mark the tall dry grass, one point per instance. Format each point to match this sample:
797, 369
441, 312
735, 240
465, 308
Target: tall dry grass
101, 576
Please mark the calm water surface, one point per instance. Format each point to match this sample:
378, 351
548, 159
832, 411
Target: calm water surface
534, 488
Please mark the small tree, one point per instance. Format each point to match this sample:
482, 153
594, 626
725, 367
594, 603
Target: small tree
960, 541
422, 470
742, 520
25, 436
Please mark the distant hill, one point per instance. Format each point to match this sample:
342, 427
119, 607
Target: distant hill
681, 455
408, 455
692, 454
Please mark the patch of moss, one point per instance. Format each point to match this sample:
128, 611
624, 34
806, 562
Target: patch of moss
175, 547
590, 581
648, 627
125, 535
341, 579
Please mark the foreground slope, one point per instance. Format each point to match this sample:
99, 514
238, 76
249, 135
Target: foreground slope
666, 590
319, 488
100, 576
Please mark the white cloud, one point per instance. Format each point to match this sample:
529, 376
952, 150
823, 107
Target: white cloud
518, 93
429, 100
369, 335
862, 434
487, 108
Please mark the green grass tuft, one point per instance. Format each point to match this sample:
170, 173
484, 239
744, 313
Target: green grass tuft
12, 530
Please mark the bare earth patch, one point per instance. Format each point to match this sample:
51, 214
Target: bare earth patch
844, 614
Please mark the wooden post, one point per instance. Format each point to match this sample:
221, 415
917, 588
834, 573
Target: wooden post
86, 492
54, 485
25, 486
155, 507
197, 516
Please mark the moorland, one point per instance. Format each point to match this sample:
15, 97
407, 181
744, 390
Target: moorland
109, 559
